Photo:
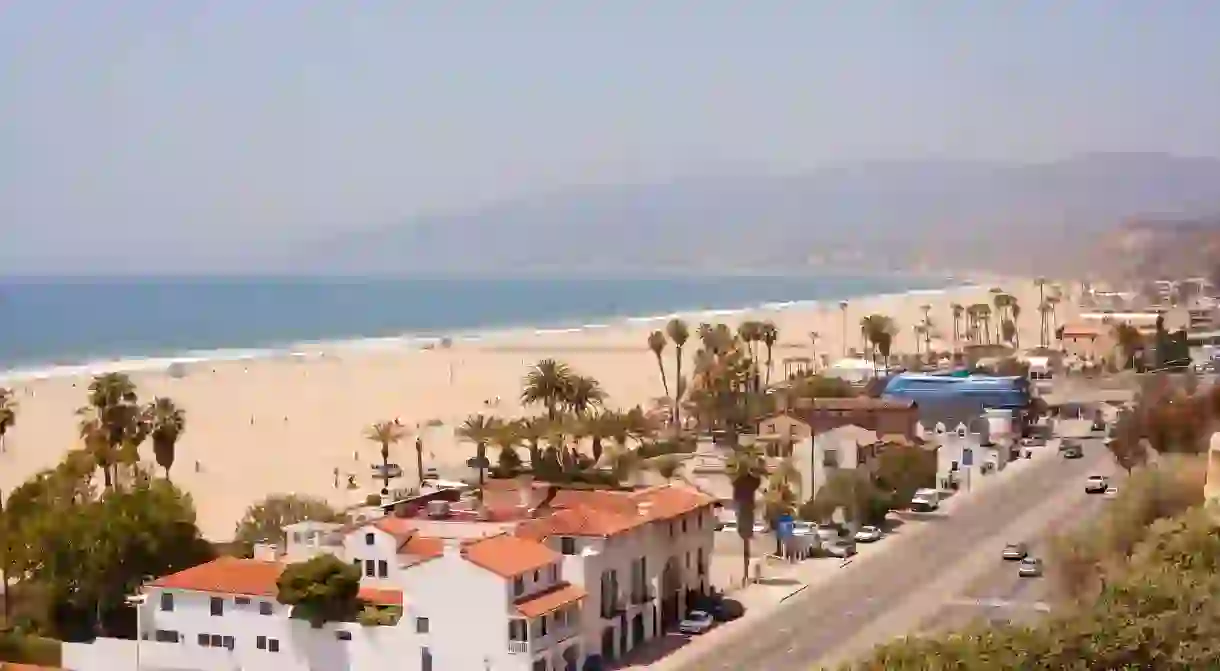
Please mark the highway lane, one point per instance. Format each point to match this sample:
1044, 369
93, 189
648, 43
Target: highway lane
814, 627
1000, 594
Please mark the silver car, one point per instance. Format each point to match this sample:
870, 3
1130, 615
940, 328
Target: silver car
868, 535
1015, 551
1030, 567
841, 550
696, 622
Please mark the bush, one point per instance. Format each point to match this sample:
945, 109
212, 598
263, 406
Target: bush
373, 500
20, 649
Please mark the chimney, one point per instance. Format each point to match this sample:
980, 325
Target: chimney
452, 546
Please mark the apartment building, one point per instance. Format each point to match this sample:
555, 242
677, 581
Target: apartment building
538, 579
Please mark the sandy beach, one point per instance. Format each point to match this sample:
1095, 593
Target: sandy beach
285, 424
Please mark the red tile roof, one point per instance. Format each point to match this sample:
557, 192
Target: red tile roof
549, 600
251, 577
509, 556
608, 513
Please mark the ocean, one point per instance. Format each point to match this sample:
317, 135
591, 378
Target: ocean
50, 326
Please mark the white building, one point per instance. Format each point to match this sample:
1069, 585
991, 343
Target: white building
819, 457
538, 580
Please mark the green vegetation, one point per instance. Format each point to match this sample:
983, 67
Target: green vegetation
78, 551
23, 649
320, 590
265, 520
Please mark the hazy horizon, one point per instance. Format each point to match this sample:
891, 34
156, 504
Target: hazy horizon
139, 135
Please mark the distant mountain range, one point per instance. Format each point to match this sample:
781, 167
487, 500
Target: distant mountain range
952, 215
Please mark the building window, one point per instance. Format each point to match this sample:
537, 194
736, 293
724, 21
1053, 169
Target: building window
683, 525
343, 635
228, 642
261, 642
554, 572
699, 562
537, 576
543, 623
218, 606
241, 600
383, 568
567, 545
370, 568
273, 645
425, 659
518, 586
369, 538
540, 664
687, 560
167, 601
265, 608
516, 630
421, 625
216, 640
203, 640
671, 529
700, 518
166, 636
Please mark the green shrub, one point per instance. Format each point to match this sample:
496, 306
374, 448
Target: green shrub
35, 650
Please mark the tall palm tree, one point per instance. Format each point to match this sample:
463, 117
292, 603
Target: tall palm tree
769, 335
1014, 311
419, 461
600, 426
782, 493
506, 438
547, 384
1043, 334
750, 334
116, 405
957, 310
167, 422
982, 322
8, 413
92, 432
746, 469
843, 309
879, 331
478, 429
656, 343
813, 345
678, 333
385, 434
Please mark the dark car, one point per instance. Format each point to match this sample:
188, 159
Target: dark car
721, 608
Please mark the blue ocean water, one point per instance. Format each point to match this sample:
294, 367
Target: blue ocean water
63, 322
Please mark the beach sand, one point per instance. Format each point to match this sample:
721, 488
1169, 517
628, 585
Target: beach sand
279, 425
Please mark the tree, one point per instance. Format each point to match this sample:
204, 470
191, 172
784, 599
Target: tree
114, 423
8, 413
783, 490
547, 384
167, 423
853, 491
532, 430
656, 343
879, 331
583, 393
1127, 444
746, 469
958, 310
903, 468
769, 335
1129, 340
419, 460
320, 590
678, 333
264, 521
506, 437
478, 429
385, 434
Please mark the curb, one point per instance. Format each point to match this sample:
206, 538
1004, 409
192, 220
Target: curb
794, 592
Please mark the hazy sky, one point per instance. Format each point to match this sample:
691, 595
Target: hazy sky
135, 130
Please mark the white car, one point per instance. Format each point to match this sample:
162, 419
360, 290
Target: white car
760, 528
696, 622
868, 535
1111, 492
1096, 484
800, 528
729, 526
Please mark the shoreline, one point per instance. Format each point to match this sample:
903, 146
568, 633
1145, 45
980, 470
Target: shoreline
413, 341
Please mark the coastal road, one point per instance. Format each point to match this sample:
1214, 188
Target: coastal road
891, 592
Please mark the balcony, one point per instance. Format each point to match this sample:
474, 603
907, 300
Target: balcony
537, 644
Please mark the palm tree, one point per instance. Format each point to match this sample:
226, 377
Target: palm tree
746, 469
506, 438
600, 426
1014, 311
419, 460
582, 394
1043, 333
93, 433
532, 430
8, 413
678, 333
769, 334
167, 422
114, 403
782, 493
957, 310
478, 429
879, 332
750, 333
982, 322
385, 434
843, 309
547, 384
656, 343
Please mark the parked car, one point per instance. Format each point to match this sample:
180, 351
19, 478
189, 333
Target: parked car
841, 549
1071, 450
760, 528
1030, 567
1111, 492
731, 525
388, 470
925, 500
802, 528
868, 534
721, 608
1015, 551
696, 622
1096, 484
431, 474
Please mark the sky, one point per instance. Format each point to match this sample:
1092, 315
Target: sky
152, 135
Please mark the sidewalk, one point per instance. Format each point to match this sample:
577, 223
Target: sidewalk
784, 580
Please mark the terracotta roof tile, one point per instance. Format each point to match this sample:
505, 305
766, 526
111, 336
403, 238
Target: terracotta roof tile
227, 575
613, 512
250, 577
549, 600
509, 556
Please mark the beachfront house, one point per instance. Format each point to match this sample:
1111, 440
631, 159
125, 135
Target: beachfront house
817, 458
538, 579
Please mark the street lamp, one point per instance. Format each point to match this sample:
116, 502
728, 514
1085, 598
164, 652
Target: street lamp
137, 601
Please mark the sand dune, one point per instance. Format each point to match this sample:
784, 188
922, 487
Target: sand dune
286, 424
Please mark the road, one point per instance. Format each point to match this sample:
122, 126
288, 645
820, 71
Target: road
890, 593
